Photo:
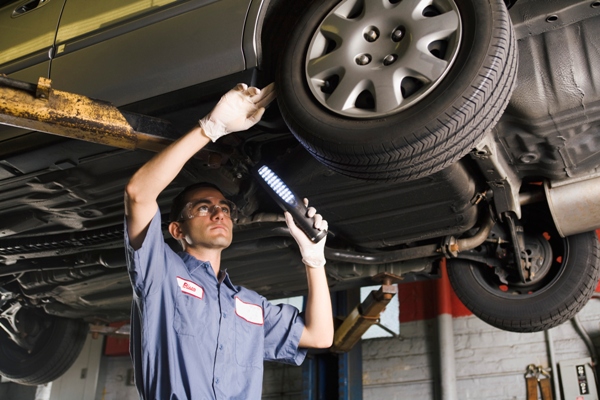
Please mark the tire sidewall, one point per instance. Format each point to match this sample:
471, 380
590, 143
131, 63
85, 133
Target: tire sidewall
312, 123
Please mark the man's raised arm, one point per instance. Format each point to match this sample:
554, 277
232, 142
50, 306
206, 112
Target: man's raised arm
318, 318
238, 110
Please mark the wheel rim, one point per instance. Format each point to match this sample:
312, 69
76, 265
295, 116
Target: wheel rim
548, 271
370, 59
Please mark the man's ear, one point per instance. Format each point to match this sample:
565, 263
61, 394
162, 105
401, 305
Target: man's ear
175, 230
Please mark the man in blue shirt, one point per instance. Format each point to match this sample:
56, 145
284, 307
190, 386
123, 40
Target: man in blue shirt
195, 335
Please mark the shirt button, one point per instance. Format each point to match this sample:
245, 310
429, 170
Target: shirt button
220, 347
224, 315
216, 380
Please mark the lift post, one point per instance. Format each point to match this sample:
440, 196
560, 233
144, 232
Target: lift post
364, 315
346, 352
328, 375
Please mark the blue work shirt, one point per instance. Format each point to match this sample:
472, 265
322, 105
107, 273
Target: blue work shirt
194, 336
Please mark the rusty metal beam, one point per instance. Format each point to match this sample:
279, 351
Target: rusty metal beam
44, 109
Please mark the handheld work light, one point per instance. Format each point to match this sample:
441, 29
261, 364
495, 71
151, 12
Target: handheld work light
289, 201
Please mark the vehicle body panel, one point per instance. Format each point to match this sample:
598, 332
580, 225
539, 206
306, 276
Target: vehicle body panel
27, 37
551, 127
149, 52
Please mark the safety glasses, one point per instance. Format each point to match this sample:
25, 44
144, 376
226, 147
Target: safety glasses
201, 209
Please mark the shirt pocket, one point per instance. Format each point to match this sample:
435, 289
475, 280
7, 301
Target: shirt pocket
190, 316
249, 342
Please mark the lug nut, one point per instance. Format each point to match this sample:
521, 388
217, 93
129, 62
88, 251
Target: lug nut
371, 34
397, 35
363, 59
389, 59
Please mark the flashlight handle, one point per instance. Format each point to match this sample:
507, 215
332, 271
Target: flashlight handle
302, 220
296, 208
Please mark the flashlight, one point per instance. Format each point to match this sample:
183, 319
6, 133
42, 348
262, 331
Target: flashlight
290, 202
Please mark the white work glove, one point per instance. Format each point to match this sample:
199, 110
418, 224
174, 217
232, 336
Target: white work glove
313, 254
238, 110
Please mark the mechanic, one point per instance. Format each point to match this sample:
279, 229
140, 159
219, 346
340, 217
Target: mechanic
194, 335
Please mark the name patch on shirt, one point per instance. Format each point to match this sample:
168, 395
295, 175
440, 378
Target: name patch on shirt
250, 312
189, 287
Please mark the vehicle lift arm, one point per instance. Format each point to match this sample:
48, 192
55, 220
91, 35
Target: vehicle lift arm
44, 109
364, 315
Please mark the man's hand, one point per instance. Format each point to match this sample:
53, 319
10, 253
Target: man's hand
318, 317
313, 254
238, 110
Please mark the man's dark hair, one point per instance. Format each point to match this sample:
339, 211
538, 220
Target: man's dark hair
180, 200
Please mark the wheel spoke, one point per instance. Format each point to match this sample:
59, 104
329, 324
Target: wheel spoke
375, 8
440, 27
337, 27
412, 8
345, 94
387, 93
418, 59
322, 67
422, 65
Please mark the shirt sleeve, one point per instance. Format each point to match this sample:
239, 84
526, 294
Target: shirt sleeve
146, 266
283, 329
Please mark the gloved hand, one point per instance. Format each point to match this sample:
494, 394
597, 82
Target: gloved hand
238, 110
313, 254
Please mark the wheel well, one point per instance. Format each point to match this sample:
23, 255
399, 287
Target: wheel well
275, 26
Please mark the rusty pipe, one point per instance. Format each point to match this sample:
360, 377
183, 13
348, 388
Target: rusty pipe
480, 237
452, 246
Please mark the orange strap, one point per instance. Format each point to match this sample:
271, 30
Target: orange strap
532, 379
546, 389
532, 388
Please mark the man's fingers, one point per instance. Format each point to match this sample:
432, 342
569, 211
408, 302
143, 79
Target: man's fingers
240, 87
265, 101
267, 90
311, 212
318, 221
253, 91
254, 118
323, 225
290, 221
266, 95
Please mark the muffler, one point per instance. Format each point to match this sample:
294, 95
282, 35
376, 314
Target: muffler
575, 205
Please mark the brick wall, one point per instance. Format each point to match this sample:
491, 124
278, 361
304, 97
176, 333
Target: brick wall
490, 363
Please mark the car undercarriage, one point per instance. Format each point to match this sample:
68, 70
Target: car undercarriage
504, 186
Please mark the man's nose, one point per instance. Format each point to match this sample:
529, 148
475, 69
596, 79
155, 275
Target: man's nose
217, 212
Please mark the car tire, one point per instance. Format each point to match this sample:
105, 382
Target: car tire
53, 354
562, 293
434, 124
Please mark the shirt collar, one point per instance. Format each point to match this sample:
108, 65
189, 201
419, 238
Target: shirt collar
192, 264
224, 277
